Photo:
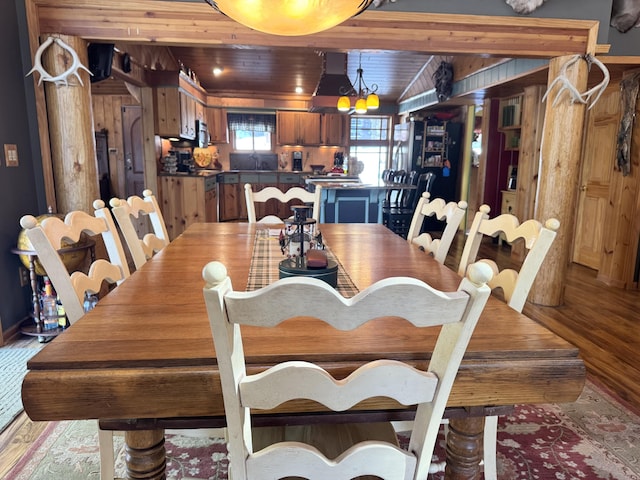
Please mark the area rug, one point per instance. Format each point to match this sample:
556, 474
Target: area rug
13, 367
593, 438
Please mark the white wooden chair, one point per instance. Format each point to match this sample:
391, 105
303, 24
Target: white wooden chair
125, 211
452, 213
46, 239
270, 193
515, 285
405, 297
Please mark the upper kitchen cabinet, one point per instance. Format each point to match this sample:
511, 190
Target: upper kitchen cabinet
333, 129
298, 128
217, 125
177, 105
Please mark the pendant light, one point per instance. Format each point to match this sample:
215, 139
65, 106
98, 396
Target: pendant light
366, 97
290, 17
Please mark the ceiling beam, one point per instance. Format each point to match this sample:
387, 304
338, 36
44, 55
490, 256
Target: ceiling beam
187, 23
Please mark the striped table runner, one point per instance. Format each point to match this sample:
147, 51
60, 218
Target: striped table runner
267, 255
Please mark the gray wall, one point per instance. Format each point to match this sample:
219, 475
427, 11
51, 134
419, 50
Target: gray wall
17, 184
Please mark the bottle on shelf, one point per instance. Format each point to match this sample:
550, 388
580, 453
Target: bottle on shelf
49, 309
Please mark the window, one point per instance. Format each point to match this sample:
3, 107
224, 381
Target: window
251, 132
370, 145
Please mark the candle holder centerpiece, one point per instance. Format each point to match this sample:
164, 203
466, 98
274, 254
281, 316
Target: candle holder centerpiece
302, 243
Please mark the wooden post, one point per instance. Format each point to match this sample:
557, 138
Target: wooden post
73, 146
559, 176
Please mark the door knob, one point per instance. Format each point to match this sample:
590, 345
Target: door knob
583, 188
128, 163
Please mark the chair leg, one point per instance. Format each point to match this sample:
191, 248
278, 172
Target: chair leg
107, 460
490, 442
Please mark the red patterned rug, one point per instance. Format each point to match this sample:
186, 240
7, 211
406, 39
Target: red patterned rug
594, 438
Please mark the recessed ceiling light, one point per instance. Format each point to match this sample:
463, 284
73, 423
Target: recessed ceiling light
299, 90
218, 70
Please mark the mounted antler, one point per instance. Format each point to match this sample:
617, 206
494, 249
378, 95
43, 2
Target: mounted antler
576, 96
61, 79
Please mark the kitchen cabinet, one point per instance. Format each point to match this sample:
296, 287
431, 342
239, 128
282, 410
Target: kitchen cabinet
509, 121
333, 129
435, 144
175, 113
187, 116
187, 199
298, 128
229, 196
217, 125
232, 204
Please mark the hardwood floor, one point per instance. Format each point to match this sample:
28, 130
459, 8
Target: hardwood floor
601, 321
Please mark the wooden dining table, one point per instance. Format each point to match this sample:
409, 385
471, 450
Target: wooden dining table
143, 359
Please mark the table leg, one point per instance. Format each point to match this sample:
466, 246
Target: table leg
464, 448
145, 454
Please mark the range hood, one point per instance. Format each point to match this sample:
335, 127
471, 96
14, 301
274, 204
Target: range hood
334, 78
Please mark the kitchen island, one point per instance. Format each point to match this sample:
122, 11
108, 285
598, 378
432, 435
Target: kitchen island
347, 200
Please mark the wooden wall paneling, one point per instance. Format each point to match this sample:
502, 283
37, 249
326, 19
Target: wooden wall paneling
31, 11
151, 152
107, 113
528, 161
621, 224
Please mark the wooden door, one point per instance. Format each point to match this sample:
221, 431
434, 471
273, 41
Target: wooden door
133, 150
599, 153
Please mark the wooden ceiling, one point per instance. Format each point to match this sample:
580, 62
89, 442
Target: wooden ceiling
278, 71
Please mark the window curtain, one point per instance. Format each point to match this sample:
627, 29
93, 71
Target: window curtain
254, 122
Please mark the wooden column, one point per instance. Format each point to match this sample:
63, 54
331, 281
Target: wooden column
73, 148
559, 176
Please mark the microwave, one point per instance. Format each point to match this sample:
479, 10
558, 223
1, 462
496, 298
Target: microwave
202, 134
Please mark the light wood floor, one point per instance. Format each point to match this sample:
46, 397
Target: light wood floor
601, 321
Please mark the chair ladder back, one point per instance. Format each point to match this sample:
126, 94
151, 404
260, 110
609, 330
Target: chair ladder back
269, 193
47, 238
141, 249
111, 239
429, 389
452, 213
474, 239
517, 285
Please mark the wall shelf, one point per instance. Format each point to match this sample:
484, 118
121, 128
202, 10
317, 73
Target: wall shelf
510, 120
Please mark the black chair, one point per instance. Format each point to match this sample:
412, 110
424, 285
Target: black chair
398, 218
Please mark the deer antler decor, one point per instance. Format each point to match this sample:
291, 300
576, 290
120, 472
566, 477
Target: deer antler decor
575, 95
63, 78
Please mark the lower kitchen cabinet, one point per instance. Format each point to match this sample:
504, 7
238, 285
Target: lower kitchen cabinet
187, 199
232, 204
229, 196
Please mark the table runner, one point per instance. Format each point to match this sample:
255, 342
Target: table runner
267, 255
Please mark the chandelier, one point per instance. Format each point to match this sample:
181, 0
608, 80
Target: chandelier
366, 98
290, 17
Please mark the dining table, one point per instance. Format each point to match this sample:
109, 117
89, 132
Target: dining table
143, 359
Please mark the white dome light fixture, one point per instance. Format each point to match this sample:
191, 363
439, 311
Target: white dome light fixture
290, 17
